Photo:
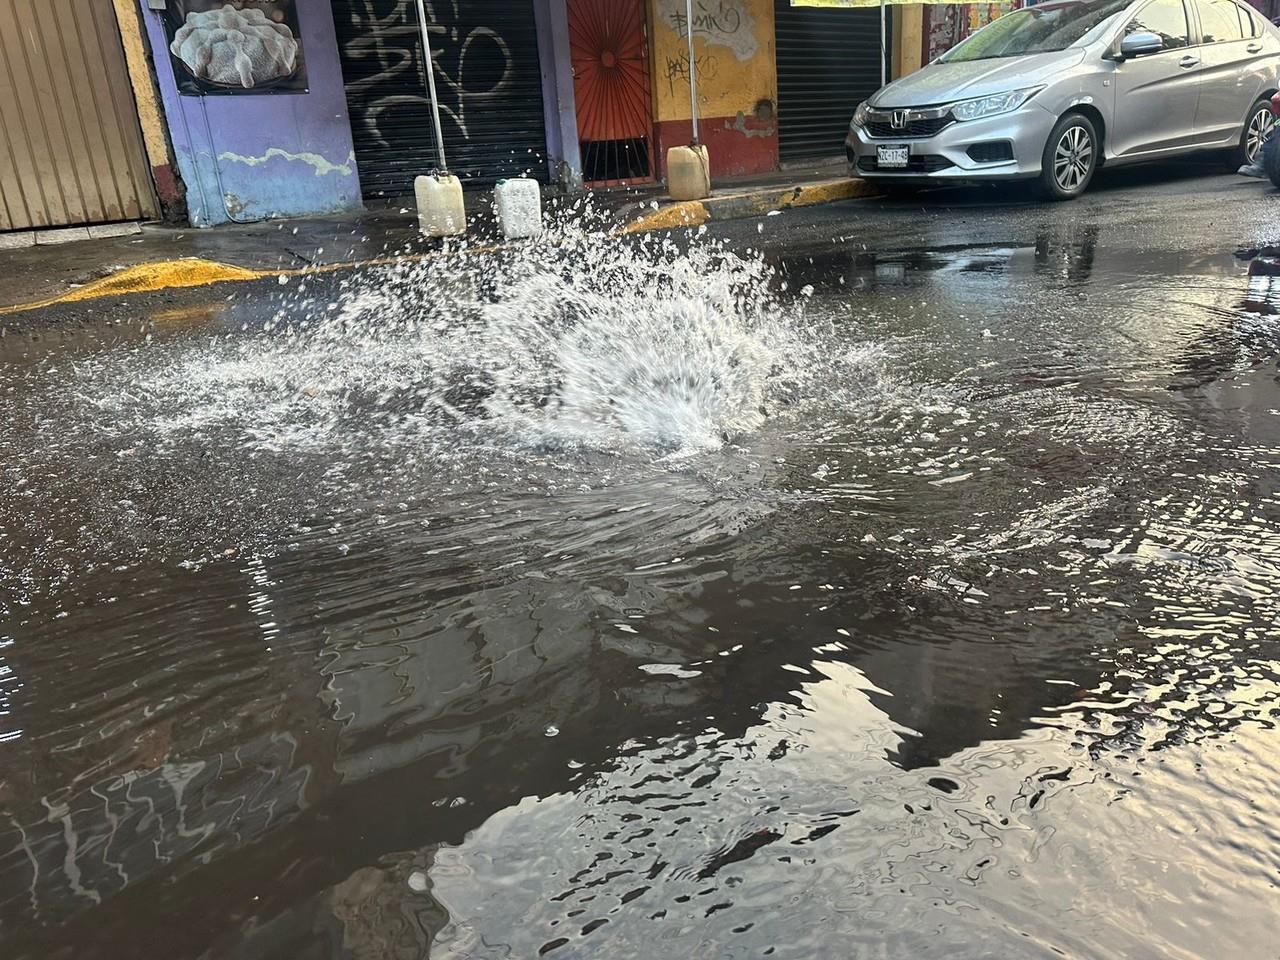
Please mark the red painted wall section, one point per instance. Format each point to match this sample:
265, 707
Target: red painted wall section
736, 145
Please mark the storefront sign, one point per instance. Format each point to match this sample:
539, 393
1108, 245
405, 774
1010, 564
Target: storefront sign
221, 47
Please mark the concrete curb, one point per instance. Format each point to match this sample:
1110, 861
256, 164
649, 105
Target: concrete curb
195, 272
750, 203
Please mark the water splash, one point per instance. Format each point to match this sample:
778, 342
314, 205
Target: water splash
578, 341
573, 363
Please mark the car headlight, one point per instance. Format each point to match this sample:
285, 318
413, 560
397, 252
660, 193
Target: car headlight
995, 104
861, 115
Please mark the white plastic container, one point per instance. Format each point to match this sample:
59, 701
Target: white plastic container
440, 209
688, 173
518, 204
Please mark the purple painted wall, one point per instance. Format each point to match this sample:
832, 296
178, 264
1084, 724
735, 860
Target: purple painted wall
563, 152
252, 157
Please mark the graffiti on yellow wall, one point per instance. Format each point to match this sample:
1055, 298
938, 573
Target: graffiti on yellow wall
733, 50
721, 23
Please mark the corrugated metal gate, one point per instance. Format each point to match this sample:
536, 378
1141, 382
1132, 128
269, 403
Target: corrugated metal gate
828, 61
487, 77
609, 49
70, 147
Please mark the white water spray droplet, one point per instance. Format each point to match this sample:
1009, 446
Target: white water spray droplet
552, 731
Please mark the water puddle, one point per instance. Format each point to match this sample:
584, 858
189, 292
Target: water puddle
602, 597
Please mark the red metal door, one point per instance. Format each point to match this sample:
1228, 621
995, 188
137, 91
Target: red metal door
610, 55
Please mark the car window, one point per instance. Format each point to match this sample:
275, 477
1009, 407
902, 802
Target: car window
1043, 28
1167, 19
1219, 21
1248, 22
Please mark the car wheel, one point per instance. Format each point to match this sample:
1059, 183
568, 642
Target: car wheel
1271, 163
1256, 131
1070, 158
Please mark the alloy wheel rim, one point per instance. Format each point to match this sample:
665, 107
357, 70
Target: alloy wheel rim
1260, 128
1072, 158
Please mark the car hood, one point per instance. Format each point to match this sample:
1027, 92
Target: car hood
945, 82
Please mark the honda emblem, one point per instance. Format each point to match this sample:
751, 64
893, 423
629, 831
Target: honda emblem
898, 119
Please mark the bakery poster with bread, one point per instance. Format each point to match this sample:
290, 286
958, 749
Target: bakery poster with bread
222, 47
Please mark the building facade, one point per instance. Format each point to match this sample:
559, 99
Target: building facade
219, 111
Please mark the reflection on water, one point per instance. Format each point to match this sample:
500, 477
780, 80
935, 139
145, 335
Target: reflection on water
978, 660
1066, 255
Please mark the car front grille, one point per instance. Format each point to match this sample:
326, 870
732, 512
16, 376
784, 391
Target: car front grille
921, 163
885, 130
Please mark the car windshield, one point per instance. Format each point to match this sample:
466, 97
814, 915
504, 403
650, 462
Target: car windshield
1039, 29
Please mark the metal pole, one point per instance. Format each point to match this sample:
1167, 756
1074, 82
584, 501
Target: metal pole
431, 85
693, 79
884, 69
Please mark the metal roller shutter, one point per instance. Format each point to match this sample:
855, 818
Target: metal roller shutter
70, 147
828, 61
487, 76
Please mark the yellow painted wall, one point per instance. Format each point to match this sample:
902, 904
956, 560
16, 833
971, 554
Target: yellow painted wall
734, 56
144, 93
908, 32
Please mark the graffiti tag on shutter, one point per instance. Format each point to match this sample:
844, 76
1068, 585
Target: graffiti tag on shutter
389, 36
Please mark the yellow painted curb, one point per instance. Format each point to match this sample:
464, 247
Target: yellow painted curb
147, 277
748, 203
689, 213
194, 272
829, 192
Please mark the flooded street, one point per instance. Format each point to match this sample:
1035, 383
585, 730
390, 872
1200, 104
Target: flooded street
824, 586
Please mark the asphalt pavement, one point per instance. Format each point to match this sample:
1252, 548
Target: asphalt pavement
925, 606
1173, 206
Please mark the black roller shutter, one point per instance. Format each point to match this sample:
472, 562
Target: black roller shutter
828, 61
487, 76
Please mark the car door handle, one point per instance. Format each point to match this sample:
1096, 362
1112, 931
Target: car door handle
1187, 62
1254, 48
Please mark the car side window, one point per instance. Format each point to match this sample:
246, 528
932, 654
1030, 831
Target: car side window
1167, 19
1219, 21
1248, 22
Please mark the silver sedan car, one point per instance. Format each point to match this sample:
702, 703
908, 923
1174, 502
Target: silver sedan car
1058, 89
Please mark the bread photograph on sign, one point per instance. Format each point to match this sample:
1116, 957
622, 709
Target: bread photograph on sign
235, 47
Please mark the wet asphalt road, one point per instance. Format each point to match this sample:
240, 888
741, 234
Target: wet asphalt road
1188, 206
968, 650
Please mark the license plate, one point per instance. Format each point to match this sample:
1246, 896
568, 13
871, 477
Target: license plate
892, 158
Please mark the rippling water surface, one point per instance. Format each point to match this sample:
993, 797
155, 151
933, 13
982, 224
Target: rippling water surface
694, 604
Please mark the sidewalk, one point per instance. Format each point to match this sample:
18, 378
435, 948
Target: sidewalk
156, 256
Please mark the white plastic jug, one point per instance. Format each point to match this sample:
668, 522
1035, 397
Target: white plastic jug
519, 207
688, 173
440, 209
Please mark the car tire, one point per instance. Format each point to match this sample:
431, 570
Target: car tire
1070, 158
1271, 163
1259, 124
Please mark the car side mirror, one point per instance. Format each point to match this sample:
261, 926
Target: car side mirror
1141, 44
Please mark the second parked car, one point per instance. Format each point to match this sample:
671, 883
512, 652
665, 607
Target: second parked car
1056, 90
